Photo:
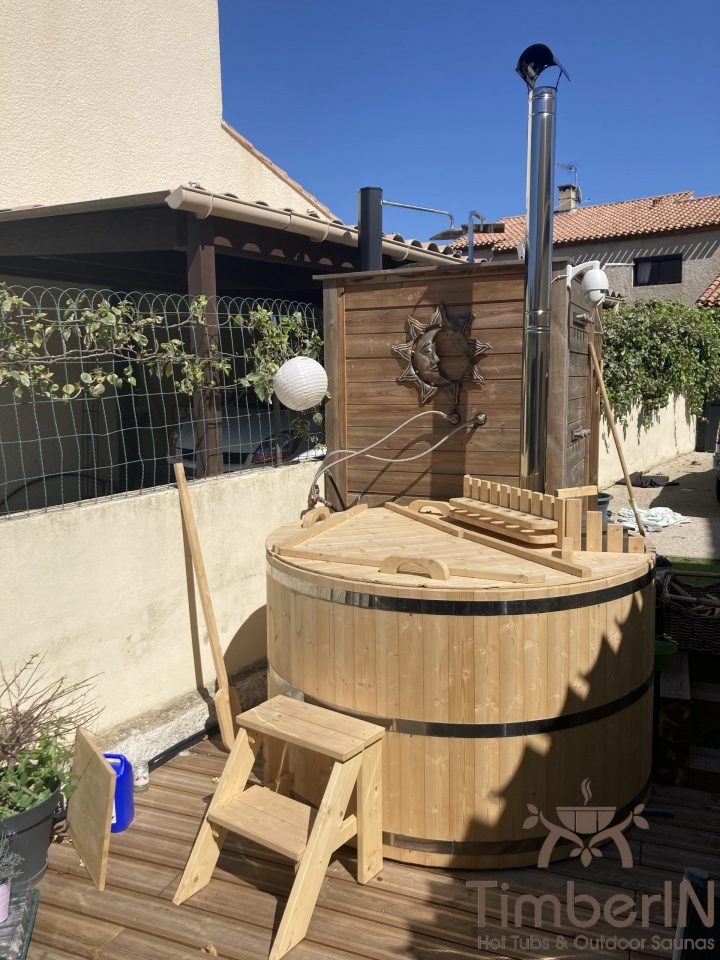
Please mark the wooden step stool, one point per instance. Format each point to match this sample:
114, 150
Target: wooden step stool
287, 826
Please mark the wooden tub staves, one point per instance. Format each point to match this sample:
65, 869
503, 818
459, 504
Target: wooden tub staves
502, 681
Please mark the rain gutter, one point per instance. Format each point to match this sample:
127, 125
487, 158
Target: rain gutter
204, 204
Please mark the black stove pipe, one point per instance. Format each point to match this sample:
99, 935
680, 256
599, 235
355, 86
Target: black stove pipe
370, 228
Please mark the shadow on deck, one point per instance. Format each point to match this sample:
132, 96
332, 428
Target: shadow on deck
407, 911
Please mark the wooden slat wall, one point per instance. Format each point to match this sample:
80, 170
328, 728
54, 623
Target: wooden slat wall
366, 315
580, 407
375, 311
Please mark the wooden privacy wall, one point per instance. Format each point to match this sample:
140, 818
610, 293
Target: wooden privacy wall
573, 398
365, 316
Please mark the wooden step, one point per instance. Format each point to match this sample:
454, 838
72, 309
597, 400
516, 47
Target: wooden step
315, 728
271, 819
274, 821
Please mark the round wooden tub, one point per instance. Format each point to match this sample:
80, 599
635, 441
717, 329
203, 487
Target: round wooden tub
495, 695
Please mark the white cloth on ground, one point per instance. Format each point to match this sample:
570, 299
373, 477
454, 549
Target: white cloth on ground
654, 519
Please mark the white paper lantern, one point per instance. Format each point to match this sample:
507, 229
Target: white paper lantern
300, 383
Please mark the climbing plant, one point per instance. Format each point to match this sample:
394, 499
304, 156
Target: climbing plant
82, 348
102, 345
275, 340
656, 348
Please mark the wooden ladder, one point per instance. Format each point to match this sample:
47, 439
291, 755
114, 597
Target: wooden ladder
305, 835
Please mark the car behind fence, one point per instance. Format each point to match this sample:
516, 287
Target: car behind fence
101, 391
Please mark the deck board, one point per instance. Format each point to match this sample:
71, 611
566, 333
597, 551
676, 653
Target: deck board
407, 911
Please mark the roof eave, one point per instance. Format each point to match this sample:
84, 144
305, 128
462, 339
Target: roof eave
205, 204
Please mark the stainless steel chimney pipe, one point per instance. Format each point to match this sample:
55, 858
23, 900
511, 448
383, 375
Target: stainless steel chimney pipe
538, 281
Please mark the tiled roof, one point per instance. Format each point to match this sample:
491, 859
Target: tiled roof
711, 296
448, 249
606, 221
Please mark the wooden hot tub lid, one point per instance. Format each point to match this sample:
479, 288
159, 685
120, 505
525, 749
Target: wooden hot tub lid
391, 548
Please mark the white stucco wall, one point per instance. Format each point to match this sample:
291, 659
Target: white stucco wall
670, 435
101, 588
104, 99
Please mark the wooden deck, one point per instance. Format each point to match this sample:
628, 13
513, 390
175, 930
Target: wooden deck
407, 911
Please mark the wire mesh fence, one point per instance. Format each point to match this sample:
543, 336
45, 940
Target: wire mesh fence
102, 391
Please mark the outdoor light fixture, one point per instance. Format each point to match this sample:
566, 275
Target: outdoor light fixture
594, 283
300, 383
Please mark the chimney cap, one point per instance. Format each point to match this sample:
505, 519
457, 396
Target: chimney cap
533, 60
569, 196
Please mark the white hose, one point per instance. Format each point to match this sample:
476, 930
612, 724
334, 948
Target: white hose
349, 454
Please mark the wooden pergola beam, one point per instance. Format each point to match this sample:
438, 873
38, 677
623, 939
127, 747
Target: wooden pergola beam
201, 281
110, 231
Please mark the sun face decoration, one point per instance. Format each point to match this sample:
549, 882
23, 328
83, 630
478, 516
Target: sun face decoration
424, 364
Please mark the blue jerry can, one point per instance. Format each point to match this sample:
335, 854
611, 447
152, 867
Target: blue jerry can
123, 804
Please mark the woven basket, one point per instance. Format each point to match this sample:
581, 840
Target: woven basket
691, 611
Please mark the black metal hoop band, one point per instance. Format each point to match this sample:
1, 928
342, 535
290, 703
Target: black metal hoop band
469, 848
475, 731
463, 608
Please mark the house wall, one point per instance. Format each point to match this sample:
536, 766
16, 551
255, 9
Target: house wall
701, 263
670, 435
700, 252
107, 99
101, 589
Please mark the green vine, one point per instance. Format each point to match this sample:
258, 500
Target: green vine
655, 349
110, 343
276, 339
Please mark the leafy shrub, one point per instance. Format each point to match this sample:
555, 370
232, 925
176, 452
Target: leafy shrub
9, 861
276, 339
38, 719
656, 348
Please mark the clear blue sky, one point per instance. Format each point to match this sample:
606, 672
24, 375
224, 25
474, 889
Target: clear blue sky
421, 98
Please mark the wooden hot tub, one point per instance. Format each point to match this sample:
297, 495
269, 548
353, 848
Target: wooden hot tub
495, 694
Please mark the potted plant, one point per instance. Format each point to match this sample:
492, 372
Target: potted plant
38, 720
9, 870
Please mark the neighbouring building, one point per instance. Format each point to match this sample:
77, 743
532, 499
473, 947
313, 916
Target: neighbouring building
665, 247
